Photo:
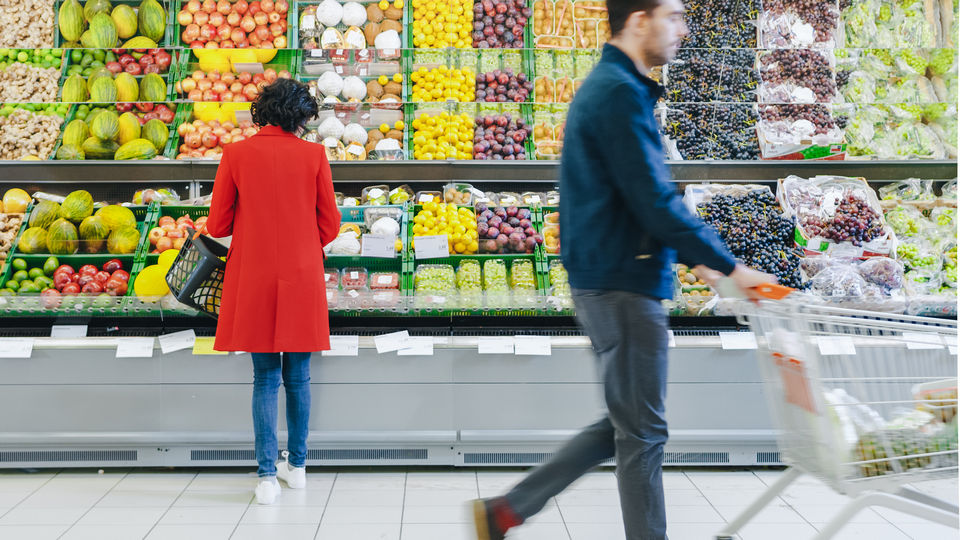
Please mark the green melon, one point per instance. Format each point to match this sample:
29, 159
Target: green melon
153, 88
44, 213
136, 149
125, 19
106, 126
102, 31
117, 217
74, 90
123, 241
153, 19
62, 238
156, 132
93, 7
70, 152
103, 90
93, 234
77, 206
70, 19
33, 240
76, 132
95, 148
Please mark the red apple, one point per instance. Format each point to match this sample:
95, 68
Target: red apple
219, 87
211, 45
224, 31
274, 17
152, 68
270, 75
276, 30
261, 18
195, 95
262, 33
281, 6
133, 68
204, 84
209, 5
210, 96
244, 77
280, 42
114, 67
163, 59
237, 35
241, 6
257, 78
209, 140
250, 91
208, 32
254, 7
236, 87
248, 24
266, 5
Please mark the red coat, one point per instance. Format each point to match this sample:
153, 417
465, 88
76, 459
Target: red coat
274, 194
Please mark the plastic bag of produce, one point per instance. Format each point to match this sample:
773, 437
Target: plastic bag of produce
883, 271
920, 255
906, 221
911, 189
348, 243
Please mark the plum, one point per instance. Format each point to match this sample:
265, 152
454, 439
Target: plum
482, 229
495, 221
489, 246
524, 213
512, 211
502, 240
493, 232
531, 243
513, 221
517, 245
506, 229
525, 223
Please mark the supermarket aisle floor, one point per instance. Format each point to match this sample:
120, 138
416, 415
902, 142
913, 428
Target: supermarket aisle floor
216, 504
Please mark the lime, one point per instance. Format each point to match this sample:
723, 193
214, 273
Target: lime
28, 287
34, 273
19, 264
12, 285
50, 265
20, 275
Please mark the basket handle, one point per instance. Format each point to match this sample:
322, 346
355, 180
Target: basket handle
202, 231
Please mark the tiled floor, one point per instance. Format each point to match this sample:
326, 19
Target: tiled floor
412, 505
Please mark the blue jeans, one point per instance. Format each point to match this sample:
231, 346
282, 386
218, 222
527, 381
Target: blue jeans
267, 371
630, 339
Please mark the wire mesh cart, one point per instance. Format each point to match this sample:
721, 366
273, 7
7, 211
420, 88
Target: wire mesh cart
865, 402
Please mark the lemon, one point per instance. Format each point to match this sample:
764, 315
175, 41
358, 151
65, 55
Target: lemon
384, 128
398, 4
151, 282
167, 257
398, 77
384, 4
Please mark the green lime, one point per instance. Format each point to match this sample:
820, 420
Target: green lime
20, 275
12, 285
76, 55
99, 54
19, 264
28, 287
50, 265
23, 57
34, 273
44, 282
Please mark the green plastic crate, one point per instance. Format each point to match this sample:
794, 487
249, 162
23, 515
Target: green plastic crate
168, 38
405, 22
415, 208
473, 109
177, 31
174, 211
171, 126
169, 77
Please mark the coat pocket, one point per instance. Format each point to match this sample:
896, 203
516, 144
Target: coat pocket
299, 309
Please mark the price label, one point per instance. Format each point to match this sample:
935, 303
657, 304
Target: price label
355, 149
177, 341
343, 346
68, 331
384, 280
836, 345
354, 275
135, 347
417, 346
16, 347
391, 342
251, 67
432, 247
378, 245
353, 293
732, 341
532, 346
425, 198
316, 53
922, 341
204, 346
671, 339
535, 199
495, 345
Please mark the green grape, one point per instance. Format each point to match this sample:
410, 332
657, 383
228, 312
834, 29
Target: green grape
522, 276
495, 276
435, 279
468, 277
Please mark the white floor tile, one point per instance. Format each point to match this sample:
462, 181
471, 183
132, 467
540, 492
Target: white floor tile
821, 494
32, 532
133, 499
693, 514
24, 483
192, 532
448, 531
45, 516
442, 480
596, 480
241, 497
223, 482
780, 531
286, 532
774, 513
141, 482
303, 497
439, 497
12, 498
544, 531
928, 531
498, 481
107, 532
590, 531
438, 514
684, 497
897, 518
820, 513
366, 497
677, 480
296, 515
122, 516
366, 531
589, 497
870, 531
372, 481
345, 515
734, 497
726, 480
52, 499
695, 531
203, 516
591, 514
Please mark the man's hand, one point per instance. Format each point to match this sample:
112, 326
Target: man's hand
707, 274
747, 278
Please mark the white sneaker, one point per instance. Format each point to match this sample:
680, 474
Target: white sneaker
295, 477
267, 491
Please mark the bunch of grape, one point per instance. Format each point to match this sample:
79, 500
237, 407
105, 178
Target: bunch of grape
703, 131
853, 221
703, 75
818, 115
820, 15
721, 24
802, 67
756, 232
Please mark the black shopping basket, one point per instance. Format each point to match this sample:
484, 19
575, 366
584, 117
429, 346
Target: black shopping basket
196, 277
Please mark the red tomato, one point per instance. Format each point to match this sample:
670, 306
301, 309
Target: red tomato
92, 287
102, 277
50, 299
61, 280
88, 270
120, 275
71, 288
112, 265
116, 287
64, 268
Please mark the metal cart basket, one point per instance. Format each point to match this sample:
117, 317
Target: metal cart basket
865, 402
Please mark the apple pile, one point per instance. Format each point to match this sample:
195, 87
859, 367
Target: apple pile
213, 24
111, 279
499, 137
150, 61
506, 230
148, 111
172, 233
239, 87
207, 139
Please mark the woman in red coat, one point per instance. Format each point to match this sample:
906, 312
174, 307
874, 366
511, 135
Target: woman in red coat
274, 194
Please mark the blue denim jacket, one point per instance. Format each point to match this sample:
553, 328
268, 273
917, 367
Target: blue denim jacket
623, 223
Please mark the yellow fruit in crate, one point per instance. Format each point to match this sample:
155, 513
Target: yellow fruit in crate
30, 158
210, 60
398, 245
151, 283
206, 111
167, 258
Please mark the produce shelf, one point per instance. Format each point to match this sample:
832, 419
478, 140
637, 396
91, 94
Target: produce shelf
172, 127
169, 39
174, 211
298, 7
177, 31
169, 77
509, 303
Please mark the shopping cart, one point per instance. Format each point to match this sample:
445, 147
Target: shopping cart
865, 402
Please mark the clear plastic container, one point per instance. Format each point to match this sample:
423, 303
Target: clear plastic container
375, 195
400, 195
332, 278
428, 196
384, 280
461, 194
354, 278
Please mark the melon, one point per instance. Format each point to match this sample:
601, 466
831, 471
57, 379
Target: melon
93, 234
127, 87
77, 206
129, 128
105, 126
44, 213
156, 132
95, 148
123, 241
62, 238
153, 19
76, 132
93, 7
102, 31
33, 240
125, 19
117, 217
70, 19
70, 152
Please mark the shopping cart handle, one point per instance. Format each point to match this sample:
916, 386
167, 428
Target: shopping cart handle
773, 291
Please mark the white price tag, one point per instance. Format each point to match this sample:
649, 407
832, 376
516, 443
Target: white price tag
432, 247
376, 245
250, 67
243, 116
177, 341
391, 342
354, 275
671, 339
16, 347
535, 199
532, 345
384, 280
315, 53
135, 347
68, 331
836, 345
343, 346
417, 346
495, 345
738, 340
355, 150
425, 198
921, 341
353, 293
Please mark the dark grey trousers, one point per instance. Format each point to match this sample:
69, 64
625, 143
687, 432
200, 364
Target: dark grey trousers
630, 339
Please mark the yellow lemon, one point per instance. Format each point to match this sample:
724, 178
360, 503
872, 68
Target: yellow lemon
167, 257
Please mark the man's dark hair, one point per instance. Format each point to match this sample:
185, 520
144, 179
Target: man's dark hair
620, 10
285, 103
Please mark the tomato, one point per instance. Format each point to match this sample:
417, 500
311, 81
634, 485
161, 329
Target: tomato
92, 287
61, 280
102, 277
112, 265
121, 275
64, 268
116, 287
71, 288
50, 299
88, 270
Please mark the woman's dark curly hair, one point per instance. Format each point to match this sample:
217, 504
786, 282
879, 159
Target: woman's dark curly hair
285, 103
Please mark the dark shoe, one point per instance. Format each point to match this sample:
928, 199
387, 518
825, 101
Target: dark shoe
493, 518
